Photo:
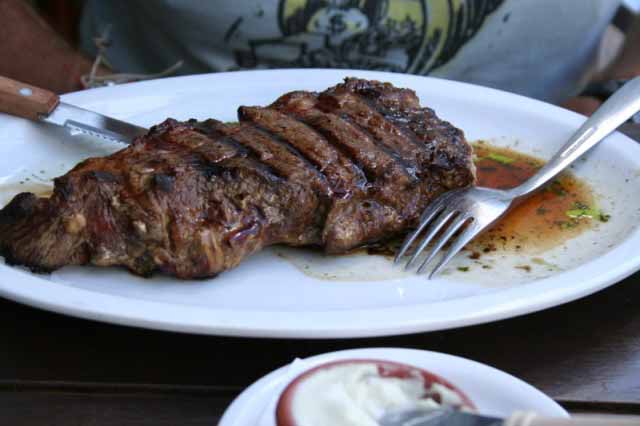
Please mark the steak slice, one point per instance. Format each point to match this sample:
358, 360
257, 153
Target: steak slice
347, 167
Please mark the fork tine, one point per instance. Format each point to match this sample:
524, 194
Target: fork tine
435, 228
432, 210
456, 224
467, 235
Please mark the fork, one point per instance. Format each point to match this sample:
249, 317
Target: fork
472, 209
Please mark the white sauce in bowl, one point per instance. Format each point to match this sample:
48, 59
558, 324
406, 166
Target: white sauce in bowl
356, 394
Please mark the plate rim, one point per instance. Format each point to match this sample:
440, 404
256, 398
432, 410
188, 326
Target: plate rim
117, 309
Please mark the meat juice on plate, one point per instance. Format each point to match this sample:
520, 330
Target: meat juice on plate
23, 180
561, 211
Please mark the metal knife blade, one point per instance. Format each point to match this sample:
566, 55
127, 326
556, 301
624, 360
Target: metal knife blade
79, 120
420, 417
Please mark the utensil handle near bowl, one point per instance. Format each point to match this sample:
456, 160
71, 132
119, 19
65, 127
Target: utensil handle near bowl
521, 418
24, 100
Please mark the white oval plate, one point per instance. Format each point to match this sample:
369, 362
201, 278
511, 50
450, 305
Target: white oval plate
492, 391
294, 293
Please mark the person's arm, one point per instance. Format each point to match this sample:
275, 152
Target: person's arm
32, 52
627, 65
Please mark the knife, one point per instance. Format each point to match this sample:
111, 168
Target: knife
26, 101
448, 417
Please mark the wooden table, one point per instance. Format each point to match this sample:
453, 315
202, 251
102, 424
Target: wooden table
57, 370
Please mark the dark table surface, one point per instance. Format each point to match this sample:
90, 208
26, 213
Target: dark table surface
57, 370
67, 371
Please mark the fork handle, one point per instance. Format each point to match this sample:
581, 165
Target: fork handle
613, 113
523, 418
24, 100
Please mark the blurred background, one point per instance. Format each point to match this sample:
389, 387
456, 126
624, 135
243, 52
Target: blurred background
64, 16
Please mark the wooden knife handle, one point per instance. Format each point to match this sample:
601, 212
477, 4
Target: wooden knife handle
24, 100
521, 418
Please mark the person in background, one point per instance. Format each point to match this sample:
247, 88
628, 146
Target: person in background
544, 49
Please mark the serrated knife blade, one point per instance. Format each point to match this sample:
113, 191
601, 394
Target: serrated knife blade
38, 104
80, 120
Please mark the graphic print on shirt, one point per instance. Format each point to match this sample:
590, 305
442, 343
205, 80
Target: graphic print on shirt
413, 36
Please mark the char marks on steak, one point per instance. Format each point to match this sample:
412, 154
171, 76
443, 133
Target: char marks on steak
350, 166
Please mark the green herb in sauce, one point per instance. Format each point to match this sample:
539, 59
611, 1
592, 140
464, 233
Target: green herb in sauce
604, 217
582, 211
503, 159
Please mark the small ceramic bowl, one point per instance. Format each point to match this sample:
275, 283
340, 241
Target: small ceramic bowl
284, 408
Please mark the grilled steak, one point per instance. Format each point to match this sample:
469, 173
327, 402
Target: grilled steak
350, 166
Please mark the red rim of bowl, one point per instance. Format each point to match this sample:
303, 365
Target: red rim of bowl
284, 414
